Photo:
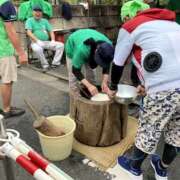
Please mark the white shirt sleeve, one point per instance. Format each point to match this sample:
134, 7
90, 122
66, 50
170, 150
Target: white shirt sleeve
123, 47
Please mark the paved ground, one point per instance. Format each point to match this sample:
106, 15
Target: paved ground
50, 96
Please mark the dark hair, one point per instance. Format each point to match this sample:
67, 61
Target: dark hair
93, 45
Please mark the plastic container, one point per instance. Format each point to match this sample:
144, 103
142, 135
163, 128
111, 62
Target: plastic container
58, 148
126, 91
126, 94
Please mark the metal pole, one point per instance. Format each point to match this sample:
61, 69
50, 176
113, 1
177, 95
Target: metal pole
8, 169
7, 164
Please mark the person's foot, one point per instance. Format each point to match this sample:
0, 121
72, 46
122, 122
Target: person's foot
54, 66
125, 164
45, 69
160, 173
14, 111
18, 65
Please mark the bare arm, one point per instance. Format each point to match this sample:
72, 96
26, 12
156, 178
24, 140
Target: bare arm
86, 83
52, 36
13, 37
32, 36
105, 78
91, 88
16, 43
104, 84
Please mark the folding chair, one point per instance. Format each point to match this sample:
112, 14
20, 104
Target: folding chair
49, 54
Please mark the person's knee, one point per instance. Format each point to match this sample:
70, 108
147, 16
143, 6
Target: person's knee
7, 83
37, 49
6, 87
60, 46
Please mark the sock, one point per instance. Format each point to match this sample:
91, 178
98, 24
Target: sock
169, 154
160, 165
138, 158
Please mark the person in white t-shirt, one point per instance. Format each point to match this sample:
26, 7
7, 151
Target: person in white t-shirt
149, 37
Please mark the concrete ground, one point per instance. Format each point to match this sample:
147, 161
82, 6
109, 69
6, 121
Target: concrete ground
50, 96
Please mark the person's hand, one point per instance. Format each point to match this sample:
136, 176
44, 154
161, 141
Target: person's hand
93, 90
141, 90
23, 58
53, 42
111, 93
40, 43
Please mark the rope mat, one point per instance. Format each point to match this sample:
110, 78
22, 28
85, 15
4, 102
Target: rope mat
106, 157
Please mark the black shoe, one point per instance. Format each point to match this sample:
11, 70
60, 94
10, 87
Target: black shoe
14, 111
53, 66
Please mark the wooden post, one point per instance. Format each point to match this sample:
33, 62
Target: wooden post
98, 123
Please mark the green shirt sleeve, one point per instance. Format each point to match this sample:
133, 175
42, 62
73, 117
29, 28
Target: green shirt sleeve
80, 57
28, 24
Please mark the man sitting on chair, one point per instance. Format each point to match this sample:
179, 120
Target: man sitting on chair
42, 37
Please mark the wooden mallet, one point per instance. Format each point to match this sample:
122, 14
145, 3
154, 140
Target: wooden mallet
42, 124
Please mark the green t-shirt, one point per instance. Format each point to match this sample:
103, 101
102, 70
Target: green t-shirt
75, 48
7, 14
175, 5
40, 28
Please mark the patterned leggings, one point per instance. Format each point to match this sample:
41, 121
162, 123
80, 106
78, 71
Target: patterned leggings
161, 114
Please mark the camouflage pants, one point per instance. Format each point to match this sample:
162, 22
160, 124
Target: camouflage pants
161, 114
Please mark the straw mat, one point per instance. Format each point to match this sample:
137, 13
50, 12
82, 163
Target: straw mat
106, 157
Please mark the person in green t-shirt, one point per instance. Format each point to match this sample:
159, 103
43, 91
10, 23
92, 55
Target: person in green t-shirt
9, 42
174, 5
42, 37
88, 48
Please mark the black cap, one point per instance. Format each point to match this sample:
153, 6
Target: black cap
104, 54
37, 8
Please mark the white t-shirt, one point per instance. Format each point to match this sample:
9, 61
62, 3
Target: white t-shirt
144, 35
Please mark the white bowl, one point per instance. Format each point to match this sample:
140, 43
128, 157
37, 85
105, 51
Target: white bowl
126, 94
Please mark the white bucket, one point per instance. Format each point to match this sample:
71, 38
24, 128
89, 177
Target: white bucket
58, 148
